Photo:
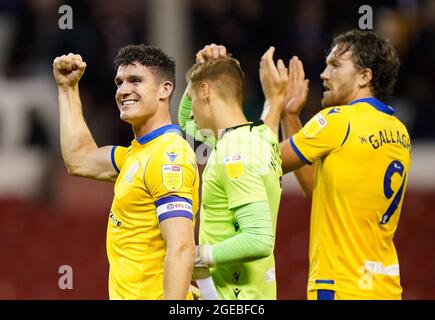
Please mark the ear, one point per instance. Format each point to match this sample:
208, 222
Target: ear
165, 90
204, 91
365, 78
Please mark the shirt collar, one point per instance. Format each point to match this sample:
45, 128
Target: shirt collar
378, 105
250, 124
158, 132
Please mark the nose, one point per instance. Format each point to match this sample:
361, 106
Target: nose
124, 89
325, 74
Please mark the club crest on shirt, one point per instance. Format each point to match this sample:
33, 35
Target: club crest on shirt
234, 166
172, 176
315, 125
171, 156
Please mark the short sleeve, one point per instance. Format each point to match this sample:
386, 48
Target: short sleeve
171, 177
117, 156
241, 174
325, 132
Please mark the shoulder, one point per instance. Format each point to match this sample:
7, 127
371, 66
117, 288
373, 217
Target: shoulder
342, 111
250, 151
402, 127
175, 141
174, 154
121, 150
337, 114
328, 118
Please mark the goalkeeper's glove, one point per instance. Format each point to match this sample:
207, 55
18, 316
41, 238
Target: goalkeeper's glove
203, 260
201, 273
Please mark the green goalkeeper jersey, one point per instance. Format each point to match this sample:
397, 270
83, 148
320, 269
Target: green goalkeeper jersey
243, 168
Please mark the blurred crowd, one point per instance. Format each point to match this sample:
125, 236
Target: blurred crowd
305, 28
31, 38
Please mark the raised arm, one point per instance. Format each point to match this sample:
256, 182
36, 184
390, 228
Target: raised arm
185, 119
80, 153
187, 123
273, 82
285, 96
296, 97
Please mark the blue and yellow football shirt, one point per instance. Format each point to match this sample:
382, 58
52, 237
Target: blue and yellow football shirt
158, 179
362, 154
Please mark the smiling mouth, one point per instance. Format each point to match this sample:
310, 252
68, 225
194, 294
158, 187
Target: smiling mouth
128, 103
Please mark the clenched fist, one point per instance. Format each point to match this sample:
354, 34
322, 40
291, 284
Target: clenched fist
68, 69
211, 52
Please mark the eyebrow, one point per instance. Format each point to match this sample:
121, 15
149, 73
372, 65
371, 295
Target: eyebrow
131, 77
331, 60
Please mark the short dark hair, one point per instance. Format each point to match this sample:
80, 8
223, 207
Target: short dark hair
149, 56
374, 52
226, 70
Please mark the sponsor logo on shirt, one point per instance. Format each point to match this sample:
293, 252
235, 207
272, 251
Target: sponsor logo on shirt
115, 222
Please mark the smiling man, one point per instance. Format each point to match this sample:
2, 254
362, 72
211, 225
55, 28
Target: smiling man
150, 234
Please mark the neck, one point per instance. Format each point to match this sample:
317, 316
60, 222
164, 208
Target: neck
361, 94
152, 123
226, 116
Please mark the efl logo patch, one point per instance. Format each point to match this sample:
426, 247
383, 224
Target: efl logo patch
315, 125
234, 166
172, 177
178, 206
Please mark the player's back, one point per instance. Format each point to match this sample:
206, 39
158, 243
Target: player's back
244, 168
356, 204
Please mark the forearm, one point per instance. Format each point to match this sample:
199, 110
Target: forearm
271, 114
244, 247
178, 272
188, 125
184, 110
75, 138
255, 241
291, 124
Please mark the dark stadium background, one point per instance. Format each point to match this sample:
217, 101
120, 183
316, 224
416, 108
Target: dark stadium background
49, 219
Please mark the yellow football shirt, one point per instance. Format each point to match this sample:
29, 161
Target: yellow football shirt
158, 179
362, 154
